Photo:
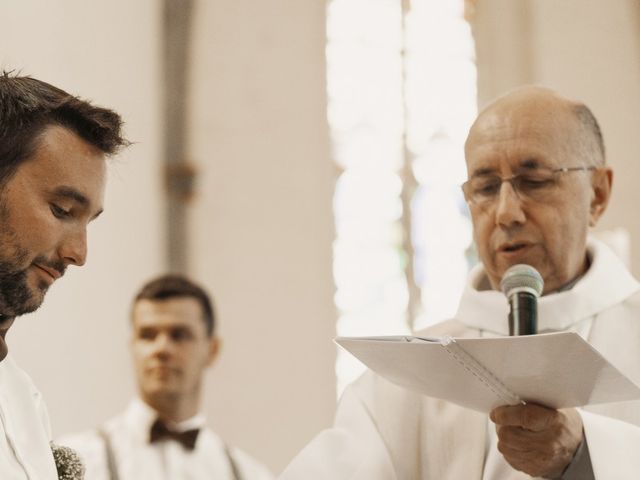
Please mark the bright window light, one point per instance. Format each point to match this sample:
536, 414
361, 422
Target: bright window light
401, 82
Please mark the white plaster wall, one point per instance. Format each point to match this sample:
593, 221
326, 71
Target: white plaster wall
74, 347
262, 224
502, 32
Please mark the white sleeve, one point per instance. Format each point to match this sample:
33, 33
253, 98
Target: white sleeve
613, 447
351, 450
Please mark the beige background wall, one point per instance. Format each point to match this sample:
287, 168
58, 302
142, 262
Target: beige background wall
261, 226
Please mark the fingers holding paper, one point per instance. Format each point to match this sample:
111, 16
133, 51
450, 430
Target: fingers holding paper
537, 440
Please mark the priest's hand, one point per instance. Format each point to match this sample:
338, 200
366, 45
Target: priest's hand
537, 440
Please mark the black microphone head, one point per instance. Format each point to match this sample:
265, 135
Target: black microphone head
521, 278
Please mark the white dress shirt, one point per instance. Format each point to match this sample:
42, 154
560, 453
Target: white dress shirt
137, 459
25, 453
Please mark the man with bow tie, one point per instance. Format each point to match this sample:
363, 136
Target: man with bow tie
162, 435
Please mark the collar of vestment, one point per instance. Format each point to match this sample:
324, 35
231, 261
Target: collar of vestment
607, 282
139, 418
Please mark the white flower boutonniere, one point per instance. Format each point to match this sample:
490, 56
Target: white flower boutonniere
68, 463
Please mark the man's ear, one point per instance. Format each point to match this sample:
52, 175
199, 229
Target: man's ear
601, 185
215, 344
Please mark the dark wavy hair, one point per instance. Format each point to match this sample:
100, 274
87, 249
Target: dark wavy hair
28, 106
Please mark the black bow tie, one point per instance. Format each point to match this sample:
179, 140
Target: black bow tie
160, 431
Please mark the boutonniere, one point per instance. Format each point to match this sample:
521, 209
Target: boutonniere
68, 463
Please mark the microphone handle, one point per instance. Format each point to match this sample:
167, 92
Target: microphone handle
523, 314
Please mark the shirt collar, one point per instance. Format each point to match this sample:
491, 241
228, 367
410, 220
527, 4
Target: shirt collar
606, 283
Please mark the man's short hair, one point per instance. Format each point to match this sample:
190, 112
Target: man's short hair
28, 106
591, 138
170, 286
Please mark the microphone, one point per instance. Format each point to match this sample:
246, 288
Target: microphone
522, 284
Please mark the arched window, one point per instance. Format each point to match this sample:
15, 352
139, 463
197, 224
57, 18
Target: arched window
401, 83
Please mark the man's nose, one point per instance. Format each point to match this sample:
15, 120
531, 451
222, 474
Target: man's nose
509, 209
162, 344
73, 249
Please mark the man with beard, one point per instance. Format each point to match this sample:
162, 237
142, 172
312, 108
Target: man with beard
52, 180
162, 435
537, 180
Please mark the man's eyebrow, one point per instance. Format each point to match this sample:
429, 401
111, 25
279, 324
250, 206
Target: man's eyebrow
529, 163
483, 172
77, 196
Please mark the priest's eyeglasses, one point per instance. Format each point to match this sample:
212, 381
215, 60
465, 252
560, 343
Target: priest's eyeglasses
536, 185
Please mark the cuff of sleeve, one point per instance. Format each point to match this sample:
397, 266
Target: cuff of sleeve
580, 467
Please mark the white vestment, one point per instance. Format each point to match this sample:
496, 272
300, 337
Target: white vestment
25, 433
137, 459
385, 432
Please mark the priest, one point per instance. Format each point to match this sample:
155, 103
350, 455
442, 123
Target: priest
537, 181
